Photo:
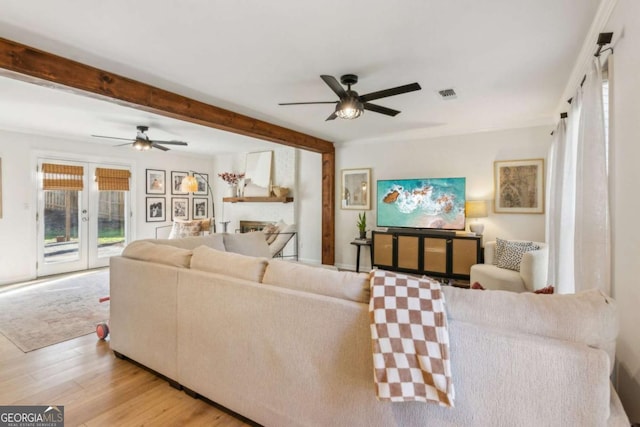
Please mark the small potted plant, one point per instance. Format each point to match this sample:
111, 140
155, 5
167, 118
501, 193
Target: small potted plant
362, 225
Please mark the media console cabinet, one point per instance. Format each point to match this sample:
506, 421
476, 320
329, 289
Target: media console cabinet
440, 254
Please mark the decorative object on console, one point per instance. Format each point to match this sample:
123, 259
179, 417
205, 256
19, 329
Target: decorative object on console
198, 184
356, 189
476, 209
362, 225
280, 191
519, 186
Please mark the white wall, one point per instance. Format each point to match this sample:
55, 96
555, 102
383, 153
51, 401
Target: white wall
18, 245
469, 156
309, 199
625, 171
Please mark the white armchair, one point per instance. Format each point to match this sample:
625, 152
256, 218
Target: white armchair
531, 277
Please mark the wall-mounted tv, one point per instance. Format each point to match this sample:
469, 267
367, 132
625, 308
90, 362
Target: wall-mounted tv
436, 203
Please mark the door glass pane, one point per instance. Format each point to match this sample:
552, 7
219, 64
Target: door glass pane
61, 216
111, 223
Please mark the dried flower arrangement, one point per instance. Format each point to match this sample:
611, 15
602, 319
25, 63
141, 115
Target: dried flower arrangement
231, 178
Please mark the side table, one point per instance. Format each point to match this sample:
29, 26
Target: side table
358, 243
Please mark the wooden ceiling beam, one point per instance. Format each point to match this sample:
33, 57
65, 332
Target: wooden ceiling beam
25, 63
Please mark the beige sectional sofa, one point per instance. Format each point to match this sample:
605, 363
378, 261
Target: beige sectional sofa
287, 344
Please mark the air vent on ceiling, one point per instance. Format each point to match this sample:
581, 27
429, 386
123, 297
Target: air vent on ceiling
447, 94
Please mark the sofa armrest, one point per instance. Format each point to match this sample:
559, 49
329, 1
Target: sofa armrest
489, 252
533, 269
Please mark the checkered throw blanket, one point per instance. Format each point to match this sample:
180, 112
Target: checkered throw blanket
410, 339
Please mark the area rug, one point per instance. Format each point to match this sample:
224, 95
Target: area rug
55, 310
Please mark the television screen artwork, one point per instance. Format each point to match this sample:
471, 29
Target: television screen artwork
422, 203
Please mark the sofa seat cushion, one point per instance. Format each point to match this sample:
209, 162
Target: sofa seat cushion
161, 254
251, 244
338, 284
588, 317
492, 277
231, 264
214, 241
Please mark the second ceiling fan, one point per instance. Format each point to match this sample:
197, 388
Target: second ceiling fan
351, 105
142, 141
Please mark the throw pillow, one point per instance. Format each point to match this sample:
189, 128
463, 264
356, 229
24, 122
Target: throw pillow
545, 291
338, 284
478, 286
271, 232
182, 229
161, 254
228, 263
512, 253
251, 244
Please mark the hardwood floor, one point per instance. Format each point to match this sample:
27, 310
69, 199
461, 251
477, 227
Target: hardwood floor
97, 389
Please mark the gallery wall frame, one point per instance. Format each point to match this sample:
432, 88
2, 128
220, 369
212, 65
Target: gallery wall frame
200, 208
356, 189
203, 179
179, 208
519, 186
176, 183
156, 181
156, 209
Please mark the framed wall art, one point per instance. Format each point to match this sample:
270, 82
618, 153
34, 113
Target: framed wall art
200, 208
176, 182
156, 181
203, 179
179, 208
156, 209
356, 189
519, 186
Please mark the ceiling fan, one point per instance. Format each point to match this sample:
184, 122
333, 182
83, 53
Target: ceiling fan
351, 105
142, 141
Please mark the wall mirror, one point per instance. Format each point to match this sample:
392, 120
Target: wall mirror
257, 175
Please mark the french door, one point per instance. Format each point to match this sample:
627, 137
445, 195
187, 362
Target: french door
80, 226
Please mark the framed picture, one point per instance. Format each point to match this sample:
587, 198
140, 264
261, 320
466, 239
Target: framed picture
356, 189
519, 186
176, 182
200, 208
156, 209
203, 179
156, 181
179, 208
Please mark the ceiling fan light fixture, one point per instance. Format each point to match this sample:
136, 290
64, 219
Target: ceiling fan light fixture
349, 108
141, 145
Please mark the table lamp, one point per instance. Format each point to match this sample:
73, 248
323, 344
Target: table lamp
476, 209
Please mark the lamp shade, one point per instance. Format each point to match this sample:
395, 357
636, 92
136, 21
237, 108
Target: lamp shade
189, 184
476, 209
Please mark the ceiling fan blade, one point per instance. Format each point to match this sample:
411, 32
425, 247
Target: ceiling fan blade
170, 142
334, 85
159, 147
380, 109
305, 103
122, 145
113, 137
331, 117
390, 92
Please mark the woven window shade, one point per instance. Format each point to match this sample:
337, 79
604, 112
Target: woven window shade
112, 179
62, 177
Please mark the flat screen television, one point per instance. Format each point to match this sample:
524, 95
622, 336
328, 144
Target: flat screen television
429, 203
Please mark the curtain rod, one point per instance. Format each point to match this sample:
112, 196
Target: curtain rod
603, 40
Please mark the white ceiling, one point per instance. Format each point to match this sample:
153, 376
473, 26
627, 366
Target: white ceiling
509, 62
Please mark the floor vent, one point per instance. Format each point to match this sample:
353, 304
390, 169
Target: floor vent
448, 94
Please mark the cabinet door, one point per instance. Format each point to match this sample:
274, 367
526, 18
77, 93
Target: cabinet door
435, 255
408, 256
465, 254
383, 249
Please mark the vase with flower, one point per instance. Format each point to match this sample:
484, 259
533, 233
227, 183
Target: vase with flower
232, 179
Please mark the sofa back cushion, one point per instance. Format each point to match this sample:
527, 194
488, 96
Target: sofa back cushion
215, 241
589, 317
251, 244
231, 264
338, 284
162, 254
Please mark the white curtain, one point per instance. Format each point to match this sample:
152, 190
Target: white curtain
578, 212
